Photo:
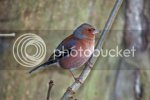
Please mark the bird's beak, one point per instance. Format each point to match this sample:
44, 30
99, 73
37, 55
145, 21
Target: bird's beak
95, 31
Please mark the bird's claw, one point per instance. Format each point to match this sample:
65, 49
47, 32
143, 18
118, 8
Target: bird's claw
78, 80
90, 65
70, 90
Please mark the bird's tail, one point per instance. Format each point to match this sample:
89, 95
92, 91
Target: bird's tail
42, 65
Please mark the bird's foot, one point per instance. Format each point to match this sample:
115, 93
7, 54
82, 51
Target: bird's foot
90, 64
70, 90
78, 80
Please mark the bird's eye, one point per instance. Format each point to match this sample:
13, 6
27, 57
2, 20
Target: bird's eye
89, 30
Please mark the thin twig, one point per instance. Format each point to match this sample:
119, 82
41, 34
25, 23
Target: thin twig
87, 69
51, 83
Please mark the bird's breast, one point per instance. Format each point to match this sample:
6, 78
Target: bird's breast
79, 55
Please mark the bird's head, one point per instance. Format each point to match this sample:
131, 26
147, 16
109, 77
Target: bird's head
85, 31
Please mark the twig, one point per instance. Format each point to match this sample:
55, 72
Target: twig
87, 69
8, 35
51, 83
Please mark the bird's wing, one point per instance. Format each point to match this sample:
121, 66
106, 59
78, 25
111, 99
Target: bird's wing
63, 49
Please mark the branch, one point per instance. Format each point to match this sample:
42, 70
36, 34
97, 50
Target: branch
87, 69
51, 83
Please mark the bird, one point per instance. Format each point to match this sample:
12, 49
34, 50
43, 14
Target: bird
74, 51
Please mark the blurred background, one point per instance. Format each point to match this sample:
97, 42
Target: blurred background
112, 78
